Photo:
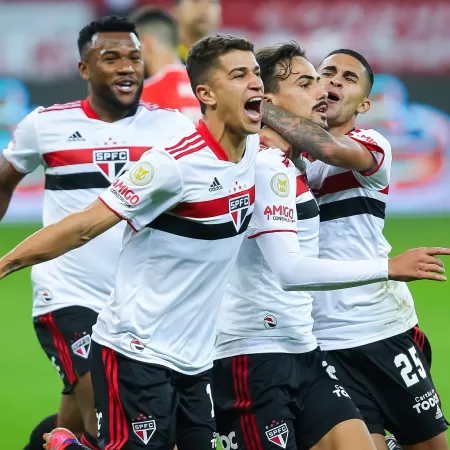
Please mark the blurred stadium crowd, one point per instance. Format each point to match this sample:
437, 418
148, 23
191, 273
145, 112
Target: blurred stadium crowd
411, 55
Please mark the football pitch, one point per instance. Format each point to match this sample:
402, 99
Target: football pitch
30, 387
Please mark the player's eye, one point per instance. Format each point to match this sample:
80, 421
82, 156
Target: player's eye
350, 79
238, 75
327, 74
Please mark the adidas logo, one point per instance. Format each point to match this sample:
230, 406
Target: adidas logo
76, 137
215, 185
438, 412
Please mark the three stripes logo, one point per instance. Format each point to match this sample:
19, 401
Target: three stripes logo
215, 185
76, 137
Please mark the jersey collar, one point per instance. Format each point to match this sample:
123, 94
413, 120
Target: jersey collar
87, 108
211, 141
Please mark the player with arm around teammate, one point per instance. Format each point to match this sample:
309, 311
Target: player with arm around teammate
370, 332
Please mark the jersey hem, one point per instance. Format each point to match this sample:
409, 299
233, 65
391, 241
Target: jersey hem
38, 311
151, 360
352, 344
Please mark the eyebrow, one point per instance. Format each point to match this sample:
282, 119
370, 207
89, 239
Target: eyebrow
116, 52
346, 72
243, 69
307, 77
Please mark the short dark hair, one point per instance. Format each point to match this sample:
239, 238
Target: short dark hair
108, 24
360, 58
204, 55
275, 62
162, 23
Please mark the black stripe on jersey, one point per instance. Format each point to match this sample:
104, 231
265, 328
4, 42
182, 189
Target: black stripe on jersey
89, 180
352, 207
187, 228
307, 210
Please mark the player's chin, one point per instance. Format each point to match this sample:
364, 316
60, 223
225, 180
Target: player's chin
320, 119
252, 123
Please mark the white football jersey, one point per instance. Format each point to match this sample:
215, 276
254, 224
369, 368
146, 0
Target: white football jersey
257, 315
188, 208
82, 155
352, 212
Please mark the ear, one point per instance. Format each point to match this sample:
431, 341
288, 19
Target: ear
205, 95
83, 69
363, 107
271, 98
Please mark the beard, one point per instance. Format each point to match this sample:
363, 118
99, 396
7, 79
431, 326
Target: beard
107, 95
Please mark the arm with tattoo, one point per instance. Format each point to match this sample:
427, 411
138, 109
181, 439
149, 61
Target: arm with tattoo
306, 136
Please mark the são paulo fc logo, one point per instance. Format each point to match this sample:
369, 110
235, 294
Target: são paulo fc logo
144, 428
82, 346
277, 433
136, 346
111, 162
238, 209
270, 321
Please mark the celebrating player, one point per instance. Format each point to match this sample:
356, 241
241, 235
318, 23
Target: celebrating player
272, 385
370, 332
84, 146
187, 206
168, 84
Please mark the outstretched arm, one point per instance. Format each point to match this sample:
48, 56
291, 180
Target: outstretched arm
50, 242
306, 136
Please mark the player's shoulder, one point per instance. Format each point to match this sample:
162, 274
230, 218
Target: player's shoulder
60, 108
273, 159
370, 136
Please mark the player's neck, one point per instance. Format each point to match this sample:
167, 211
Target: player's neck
232, 143
157, 62
107, 112
341, 129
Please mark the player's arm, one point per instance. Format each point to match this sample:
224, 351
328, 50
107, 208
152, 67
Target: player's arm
52, 241
149, 188
297, 272
305, 136
19, 158
9, 179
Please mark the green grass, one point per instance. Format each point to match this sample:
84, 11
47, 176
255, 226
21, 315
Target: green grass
30, 387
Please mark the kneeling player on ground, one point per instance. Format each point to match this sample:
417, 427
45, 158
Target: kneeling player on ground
153, 343
370, 333
272, 386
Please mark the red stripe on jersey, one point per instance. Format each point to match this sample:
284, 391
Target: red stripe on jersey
179, 144
190, 150
213, 144
211, 208
62, 107
302, 187
338, 183
253, 236
179, 148
374, 148
86, 155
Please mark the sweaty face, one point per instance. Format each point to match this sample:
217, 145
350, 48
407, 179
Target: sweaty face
345, 80
301, 93
114, 68
237, 91
199, 17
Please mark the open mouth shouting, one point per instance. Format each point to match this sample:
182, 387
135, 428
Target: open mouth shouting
253, 109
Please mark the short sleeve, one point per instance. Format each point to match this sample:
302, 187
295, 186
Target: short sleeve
380, 148
152, 186
275, 192
23, 151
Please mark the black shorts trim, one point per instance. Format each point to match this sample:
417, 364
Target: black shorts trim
190, 229
354, 206
118, 426
48, 321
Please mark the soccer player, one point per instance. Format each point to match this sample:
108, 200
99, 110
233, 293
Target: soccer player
187, 206
84, 146
196, 19
168, 84
271, 384
370, 333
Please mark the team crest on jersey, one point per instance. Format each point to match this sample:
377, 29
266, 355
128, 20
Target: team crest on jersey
144, 428
111, 162
82, 346
270, 321
136, 346
277, 433
238, 209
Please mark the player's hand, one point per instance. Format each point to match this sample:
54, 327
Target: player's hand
271, 138
418, 264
